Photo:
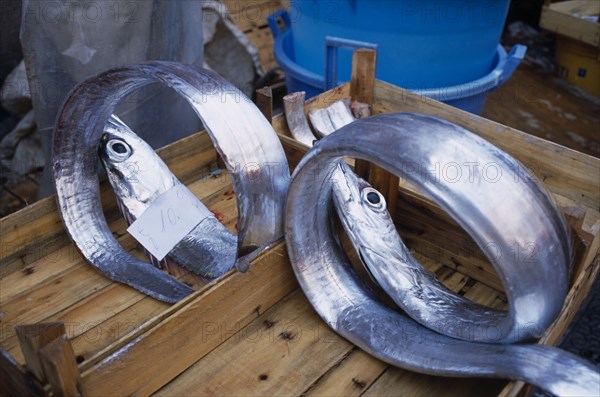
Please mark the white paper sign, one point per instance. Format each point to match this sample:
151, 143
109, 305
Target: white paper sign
168, 220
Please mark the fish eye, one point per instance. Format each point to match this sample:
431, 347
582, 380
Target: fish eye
118, 149
373, 198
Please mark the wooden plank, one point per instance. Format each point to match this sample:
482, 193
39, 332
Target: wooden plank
564, 171
48, 299
264, 101
95, 337
15, 381
248, 15
362, 89
60, 368
33, 338
565, 18
362, 84
263, 40
235, 301
396, 381
349, 377
485, 295
282, 352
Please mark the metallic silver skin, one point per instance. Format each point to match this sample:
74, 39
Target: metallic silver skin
242, 136
363, 214
507, 213
327, 120
340, 114
138, 176
296, 119
346, 303
321, 122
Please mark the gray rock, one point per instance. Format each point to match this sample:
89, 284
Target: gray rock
21, 151
15, 96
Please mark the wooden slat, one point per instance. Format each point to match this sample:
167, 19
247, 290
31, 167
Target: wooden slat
263, 40
248, 15
33, 338
264, 101
350, 377
60, 368
282, 352
396, 381
565, 18
15, 381
362, 89
235, 301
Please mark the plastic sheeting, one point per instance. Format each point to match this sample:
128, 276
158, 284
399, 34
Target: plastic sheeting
65, 42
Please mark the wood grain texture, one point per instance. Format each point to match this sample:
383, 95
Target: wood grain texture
33, 338
194, 330
60, 368
15, 381
564, 18
282, 352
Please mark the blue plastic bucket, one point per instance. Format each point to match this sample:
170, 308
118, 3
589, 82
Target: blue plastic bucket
422, 44
469, 96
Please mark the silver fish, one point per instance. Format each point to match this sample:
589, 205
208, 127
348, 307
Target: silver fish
244, 139
320, 121
371, 230
138, 177
296, 119
327, 120
345, 303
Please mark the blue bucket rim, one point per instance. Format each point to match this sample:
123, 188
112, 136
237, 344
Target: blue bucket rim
483, 84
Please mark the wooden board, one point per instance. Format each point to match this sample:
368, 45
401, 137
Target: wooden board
251, 18
564, 18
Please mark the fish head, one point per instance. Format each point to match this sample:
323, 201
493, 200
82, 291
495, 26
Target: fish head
136, 173
363, 213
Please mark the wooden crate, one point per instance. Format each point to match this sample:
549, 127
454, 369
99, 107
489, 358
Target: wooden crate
251, 18
255, 333
565, 18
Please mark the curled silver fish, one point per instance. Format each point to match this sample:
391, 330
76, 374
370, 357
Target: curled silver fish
347, 305
508, 214
363, 214
242, 136
138, 177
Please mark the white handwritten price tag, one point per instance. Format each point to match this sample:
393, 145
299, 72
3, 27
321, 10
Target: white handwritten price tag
168, 220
